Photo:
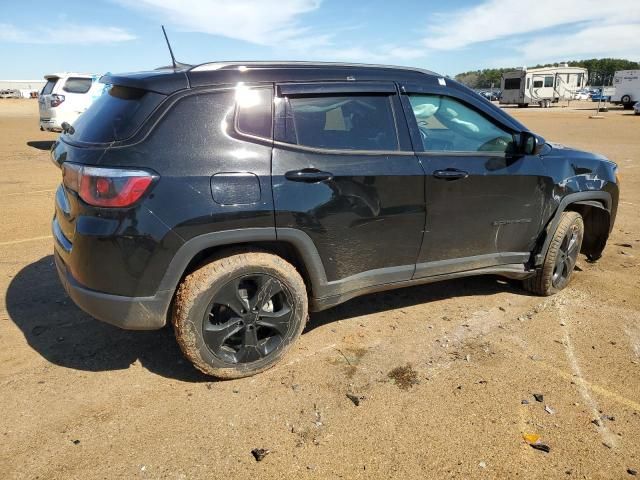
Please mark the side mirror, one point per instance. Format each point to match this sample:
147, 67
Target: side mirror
530, 143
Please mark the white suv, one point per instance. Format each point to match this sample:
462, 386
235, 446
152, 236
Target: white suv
65, 96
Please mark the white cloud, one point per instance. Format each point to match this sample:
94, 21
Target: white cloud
64, 33
263, 23
373, 54
495, 19
620, 40
255, 21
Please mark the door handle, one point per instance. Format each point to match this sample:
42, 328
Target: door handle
450, 174
308, 175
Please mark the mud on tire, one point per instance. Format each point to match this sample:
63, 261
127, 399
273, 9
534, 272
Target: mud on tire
240, 314
561, 257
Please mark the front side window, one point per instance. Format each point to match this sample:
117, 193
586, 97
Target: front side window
353, 122
77, 85
548, 81
446, 124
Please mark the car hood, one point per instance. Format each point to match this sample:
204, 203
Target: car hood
553, 149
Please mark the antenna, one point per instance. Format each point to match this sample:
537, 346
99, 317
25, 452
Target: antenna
173, 59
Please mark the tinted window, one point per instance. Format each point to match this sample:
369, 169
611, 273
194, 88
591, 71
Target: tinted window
254, 111
355, 122
511, 83
446, 124
77, 85
48, 88
537, 84
548, 81
115, 115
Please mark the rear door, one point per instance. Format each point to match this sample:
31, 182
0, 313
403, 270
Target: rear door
44, 99
345, 175
484, 200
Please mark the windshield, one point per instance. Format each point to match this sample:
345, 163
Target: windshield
115, 115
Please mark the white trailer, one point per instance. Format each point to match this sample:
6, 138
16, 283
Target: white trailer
627, 84
541, 86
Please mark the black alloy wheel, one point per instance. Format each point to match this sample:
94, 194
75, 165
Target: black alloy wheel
248, 318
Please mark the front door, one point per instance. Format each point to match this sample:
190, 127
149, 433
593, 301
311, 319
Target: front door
485, 201
344, 174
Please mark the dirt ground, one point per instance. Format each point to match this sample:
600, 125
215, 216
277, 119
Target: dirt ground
444, 369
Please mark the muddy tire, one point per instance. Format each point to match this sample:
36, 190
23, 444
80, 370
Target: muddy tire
561, 257
240, 314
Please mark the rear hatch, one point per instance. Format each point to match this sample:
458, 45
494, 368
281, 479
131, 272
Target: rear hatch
44, 100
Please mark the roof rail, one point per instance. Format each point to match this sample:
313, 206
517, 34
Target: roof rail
212, 66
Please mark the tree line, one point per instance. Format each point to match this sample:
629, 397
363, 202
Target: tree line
601, 72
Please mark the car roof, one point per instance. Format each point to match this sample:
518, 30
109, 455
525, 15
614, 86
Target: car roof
167, 80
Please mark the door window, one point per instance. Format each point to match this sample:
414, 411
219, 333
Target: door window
446, 124
349, 122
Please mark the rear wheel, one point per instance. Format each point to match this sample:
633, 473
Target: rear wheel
561, 257
239, 315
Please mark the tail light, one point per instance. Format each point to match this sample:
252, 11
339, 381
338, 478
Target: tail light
107, 187
56, 100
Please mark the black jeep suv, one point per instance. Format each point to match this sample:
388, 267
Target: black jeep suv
234, 197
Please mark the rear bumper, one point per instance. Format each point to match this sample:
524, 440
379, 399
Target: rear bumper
131, 313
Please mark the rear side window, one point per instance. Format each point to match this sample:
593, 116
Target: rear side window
77, 85
48, 88
115, 115
253, 111
354, 122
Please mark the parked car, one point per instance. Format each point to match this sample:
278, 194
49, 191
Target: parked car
233, 198
598, 97
490, 95
65, 96
581, 95
636, 108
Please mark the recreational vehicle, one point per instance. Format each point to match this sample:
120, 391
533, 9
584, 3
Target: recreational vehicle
541, 86
627, 84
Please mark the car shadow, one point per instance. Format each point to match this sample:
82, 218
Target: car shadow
41, 144
66, 336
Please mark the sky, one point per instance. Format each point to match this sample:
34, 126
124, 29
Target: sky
449, 37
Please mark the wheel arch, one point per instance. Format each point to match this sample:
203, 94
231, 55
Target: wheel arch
293, 245
595, 209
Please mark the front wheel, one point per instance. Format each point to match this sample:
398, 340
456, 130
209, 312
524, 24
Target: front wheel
561, 257
240, 314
